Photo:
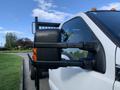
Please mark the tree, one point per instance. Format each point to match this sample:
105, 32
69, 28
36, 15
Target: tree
10, 40
24, 43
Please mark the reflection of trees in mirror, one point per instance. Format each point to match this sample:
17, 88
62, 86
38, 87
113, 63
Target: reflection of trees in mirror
76, 54
79, 54
69, 34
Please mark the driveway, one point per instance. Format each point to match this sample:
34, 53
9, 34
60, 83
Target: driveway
28, 83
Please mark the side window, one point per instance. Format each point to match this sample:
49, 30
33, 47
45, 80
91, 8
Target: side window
78, 31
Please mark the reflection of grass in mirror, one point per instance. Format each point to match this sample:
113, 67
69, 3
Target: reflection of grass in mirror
79, 54
10, 72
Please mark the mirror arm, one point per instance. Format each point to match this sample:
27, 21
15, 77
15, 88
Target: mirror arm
86, 63
58, 45
89, 46
56, 64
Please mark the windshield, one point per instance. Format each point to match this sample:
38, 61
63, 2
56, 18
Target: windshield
110, 20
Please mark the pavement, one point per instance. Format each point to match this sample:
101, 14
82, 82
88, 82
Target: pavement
28, 83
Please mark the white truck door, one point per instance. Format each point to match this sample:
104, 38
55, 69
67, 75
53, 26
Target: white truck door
102, 77
117, 82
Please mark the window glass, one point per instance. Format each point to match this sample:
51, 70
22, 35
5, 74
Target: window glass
110, 20
77, 31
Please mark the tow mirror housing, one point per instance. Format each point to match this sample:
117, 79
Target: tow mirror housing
50, 46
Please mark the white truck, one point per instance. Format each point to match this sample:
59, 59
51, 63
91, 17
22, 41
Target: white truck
98, 30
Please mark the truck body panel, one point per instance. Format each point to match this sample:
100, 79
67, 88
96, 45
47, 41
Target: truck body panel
74, 78
117, 56
117, 85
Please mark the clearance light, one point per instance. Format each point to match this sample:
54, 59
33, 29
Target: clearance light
113, 9
34, 56
93, 9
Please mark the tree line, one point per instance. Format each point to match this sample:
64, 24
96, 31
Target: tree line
12, 42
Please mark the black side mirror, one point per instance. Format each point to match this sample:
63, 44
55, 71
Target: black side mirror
49, 44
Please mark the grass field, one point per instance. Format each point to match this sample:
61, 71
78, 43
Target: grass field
10, 70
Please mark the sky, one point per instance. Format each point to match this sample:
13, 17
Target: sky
16, 16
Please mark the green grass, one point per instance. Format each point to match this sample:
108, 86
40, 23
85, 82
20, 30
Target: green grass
10, 70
